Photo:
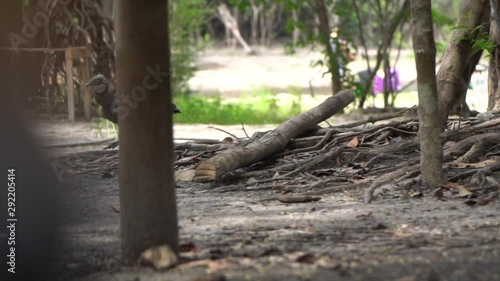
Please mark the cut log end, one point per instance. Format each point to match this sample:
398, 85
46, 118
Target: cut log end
205, 172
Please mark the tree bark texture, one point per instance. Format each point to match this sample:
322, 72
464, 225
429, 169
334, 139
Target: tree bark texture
232, 24
431, 150
458, 61
273, 141
324, 33
494, 64
147, 190
395, 21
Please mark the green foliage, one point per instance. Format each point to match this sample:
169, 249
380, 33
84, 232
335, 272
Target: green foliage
104, 128
479, 37
186, 18
441, 19
259, 107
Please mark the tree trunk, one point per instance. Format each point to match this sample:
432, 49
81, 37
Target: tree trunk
270, 19
256, 9
324, 32
296, 29
232, 25
394, 22
431, 150
147, 190
458, 60
494, 69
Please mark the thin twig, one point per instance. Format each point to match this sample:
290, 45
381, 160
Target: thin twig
224, 131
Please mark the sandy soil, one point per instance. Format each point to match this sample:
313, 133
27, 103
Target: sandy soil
230, 73
239, 236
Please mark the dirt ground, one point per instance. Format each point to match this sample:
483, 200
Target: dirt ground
239, 235
231, 234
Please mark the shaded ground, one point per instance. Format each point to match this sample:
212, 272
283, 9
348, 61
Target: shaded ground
237, 234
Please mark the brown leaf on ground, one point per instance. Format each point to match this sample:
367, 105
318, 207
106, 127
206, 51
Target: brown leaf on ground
462, 190
354, 142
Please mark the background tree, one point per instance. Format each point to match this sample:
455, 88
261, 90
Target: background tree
186, 19
494, 63
461, 56
377, 28
429, 133
147, 190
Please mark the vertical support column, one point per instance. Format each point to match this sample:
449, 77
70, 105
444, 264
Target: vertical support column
69, 85
87, 96
147, 190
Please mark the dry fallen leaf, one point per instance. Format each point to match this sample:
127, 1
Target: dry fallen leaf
463, 192
354, 142
161, 257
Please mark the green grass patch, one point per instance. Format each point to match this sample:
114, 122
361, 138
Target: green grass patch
262, 106
258, 107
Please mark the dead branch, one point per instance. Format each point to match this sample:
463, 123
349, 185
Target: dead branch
75, 144
319, 145
470, 148
373, 119
272, 142
224, 131
368, 197
297, 198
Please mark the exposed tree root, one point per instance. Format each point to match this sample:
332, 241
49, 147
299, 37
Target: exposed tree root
370, 159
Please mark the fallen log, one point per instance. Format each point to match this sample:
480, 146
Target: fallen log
272, 142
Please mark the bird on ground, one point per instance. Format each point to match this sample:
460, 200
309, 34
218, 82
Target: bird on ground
109, 101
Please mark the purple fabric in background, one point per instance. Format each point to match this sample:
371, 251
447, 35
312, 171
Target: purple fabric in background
394, 83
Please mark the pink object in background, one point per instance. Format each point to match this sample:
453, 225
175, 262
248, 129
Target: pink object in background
392, 81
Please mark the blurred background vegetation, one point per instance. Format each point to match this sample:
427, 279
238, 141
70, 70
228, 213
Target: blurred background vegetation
376, 30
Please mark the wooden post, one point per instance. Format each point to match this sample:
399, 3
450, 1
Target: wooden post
69, 84
147, 189
87, 96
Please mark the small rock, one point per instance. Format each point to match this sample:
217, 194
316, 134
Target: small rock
161, 257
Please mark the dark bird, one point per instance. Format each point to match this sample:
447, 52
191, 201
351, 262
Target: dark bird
109, 101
